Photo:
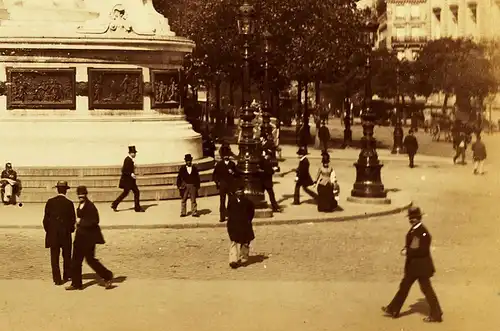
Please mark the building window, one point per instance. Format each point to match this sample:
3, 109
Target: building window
400, 11
416, 33
400, 33
415, 12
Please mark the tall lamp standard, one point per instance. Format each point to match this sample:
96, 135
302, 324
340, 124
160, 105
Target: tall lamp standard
397, 147
266, 128
347, 122
368, 183
248, 158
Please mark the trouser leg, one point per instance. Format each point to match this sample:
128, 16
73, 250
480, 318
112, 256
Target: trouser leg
222, 206
76, 265
120, 198
296, 194
430, 296
411, 158
234, 252
192, 195
54, 264
96, 265
7, 192
137, 197
244, 252
272, 197
184, 198
66, 253
400, 297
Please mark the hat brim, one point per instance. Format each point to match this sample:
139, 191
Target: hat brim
62, 186
419, 215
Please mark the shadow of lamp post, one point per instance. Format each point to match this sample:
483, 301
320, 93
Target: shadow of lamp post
249, 158
368, 186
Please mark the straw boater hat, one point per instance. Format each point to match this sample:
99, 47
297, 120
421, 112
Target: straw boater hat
62, 184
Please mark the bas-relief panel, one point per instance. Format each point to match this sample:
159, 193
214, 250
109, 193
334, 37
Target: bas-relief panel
115, 88
166, 88
29, 88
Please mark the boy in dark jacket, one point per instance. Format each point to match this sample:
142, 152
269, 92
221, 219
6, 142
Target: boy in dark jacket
241, 212
479, 155
411, 146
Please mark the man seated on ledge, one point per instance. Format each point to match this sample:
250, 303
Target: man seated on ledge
10, 185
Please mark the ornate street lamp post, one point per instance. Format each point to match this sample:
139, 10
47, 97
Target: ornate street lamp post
248, 158
266, 128
368, 178
397, 147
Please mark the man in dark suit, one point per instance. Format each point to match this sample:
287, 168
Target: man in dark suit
188, 183
239, 226
324, 136
411, 146
128, 181
59, 223
418, 266
224, 175
11, 186
88, 234
303, 177
267, 178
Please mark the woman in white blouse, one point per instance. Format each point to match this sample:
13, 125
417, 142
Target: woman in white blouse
325, 181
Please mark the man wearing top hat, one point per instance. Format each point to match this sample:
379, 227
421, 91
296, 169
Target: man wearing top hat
88, 234
418, 266
59, 223
128, 181
188, 183
303, 177
267, 178
224, 175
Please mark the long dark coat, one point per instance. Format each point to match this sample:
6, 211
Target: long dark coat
184, 178
418, 253
88, 230
59, 221
303, 175
267, 173
126, 180
239, 225
224, 175
411, 144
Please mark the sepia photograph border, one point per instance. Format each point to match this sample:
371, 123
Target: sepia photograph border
93, 105
171, 72
69, 72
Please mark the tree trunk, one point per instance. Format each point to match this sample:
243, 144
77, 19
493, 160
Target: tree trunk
445, 103
231, 92
299, 98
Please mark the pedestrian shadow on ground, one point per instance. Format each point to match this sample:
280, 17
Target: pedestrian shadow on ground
145, 207
202, 212
97, 280
253, 259
421, 307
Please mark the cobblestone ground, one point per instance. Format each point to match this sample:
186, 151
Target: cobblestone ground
461, 215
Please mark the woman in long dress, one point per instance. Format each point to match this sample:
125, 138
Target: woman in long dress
324, 181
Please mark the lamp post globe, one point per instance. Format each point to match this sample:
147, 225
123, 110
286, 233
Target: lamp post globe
368, 182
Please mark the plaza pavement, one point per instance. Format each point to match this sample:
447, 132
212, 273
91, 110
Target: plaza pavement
166, 214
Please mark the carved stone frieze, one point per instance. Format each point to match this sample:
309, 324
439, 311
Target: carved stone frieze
115, 88
166, 88
30, 88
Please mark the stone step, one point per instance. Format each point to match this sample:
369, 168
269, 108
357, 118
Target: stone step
115, 170
105, 181
109, 194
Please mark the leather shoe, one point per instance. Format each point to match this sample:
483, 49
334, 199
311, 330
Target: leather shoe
58, 282
74, 288
234, 265
140, 210
114, 208
390, 313
195, 215
183, 215
430, 319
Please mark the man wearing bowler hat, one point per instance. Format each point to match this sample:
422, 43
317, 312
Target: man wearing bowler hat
128, 181
59, 223
303, 177
418, 266
188, 183
88, 234
224, 175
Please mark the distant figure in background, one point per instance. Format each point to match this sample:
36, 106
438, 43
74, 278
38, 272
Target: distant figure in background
241, 212
479, 155
59, 223
325, 180
188, 183
461, 147
303, 177
410, 144
88, 235
224, 176
128, 181
10, 185
225, 149
267, 173
208, 145
324, 136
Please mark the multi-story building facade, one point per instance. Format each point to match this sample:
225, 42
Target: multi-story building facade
408, 24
